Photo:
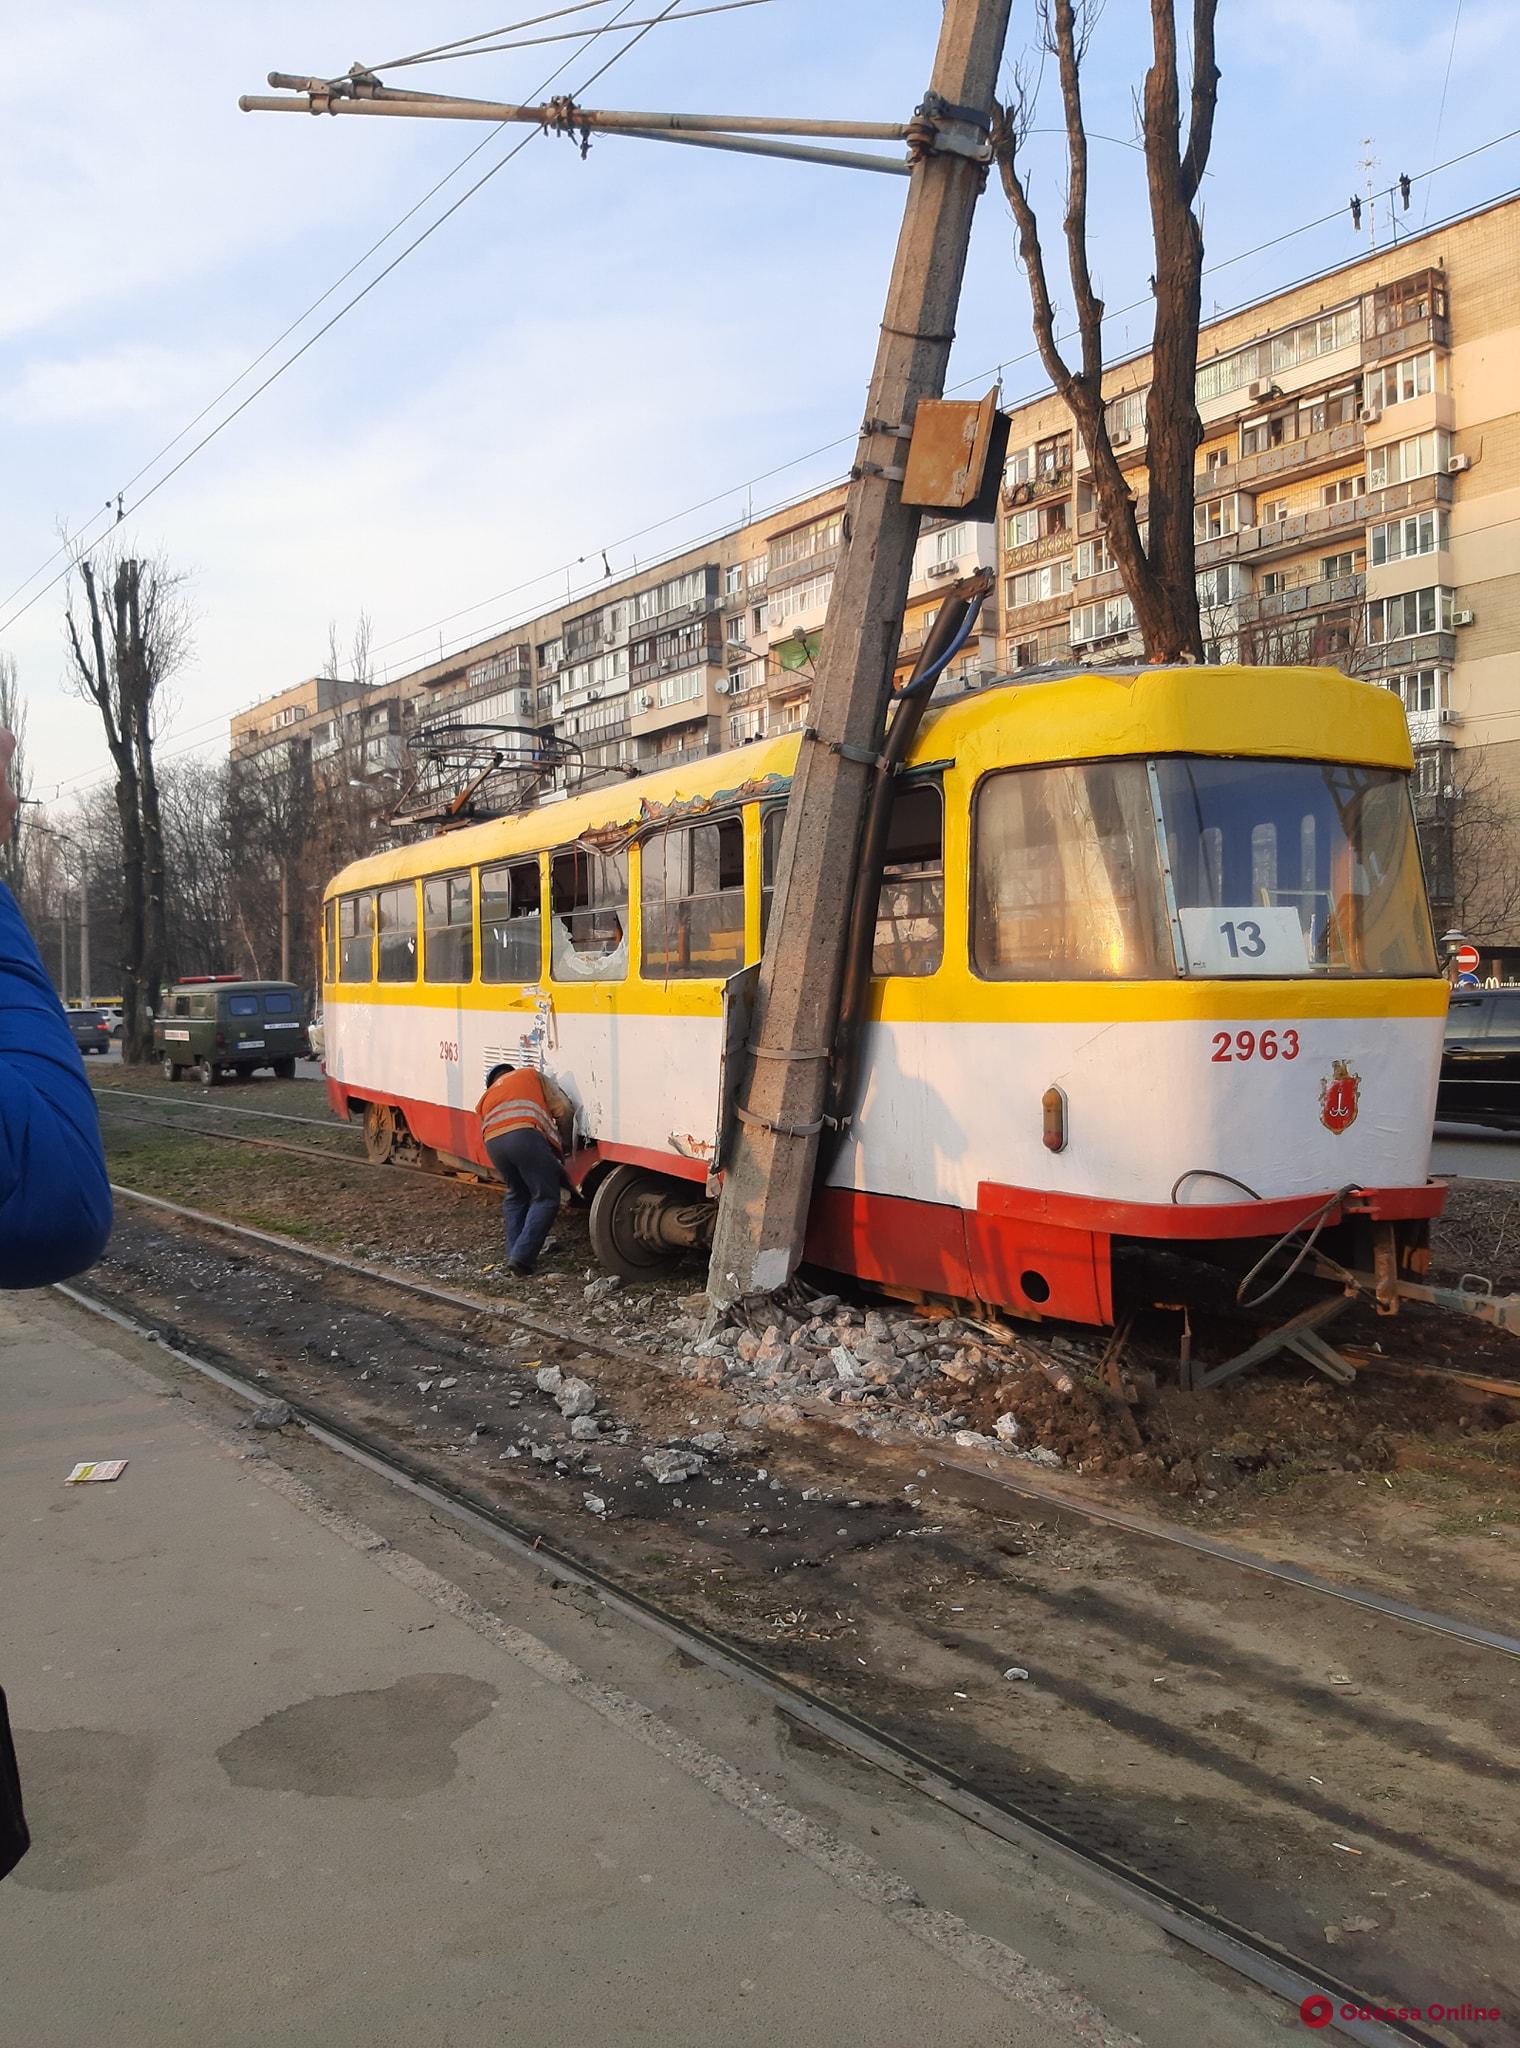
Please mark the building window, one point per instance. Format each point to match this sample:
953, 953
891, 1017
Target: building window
398, 933
757, 571
1428, 777
1272, 583
1342, 491
1217, 519
948, 544
1397, 383
1216, 459
1223, 585
910, 909
448, 943
588, 929
1399, 462
511, 922
1034, 586
1422, 533
812, 594
1334, 566
691, 899
1094, 558
803, 542
1272, 511
737, 629
356, 926
733, 579
1125, 415
683, 688
1412, 611
1021, 528
1102, 621
1323, 335
1421, 689
1052, 456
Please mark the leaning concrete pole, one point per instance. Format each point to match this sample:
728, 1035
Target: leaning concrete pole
762, 1214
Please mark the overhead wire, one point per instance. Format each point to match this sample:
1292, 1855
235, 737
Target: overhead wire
77, 553
1451, 51
566, 35
825, 448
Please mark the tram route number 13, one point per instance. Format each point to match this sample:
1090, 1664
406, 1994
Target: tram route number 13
1254, 1045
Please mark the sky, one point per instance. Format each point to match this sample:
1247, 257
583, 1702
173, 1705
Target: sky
625, 353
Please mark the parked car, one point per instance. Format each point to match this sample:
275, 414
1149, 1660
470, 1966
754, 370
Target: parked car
91, 1029
216, 1024
1480, 1063
316, 1036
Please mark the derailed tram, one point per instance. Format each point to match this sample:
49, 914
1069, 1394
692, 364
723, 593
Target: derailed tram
1153, 967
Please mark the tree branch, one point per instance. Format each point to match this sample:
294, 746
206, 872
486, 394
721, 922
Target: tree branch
1205, 97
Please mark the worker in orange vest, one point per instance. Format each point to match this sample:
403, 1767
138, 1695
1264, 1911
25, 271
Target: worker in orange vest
525, 1123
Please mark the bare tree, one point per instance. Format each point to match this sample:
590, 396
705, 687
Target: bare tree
1470, 840
13, 718
1157, 568
136, 632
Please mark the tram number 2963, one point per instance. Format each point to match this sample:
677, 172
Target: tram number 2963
1254, 1045
448, 1051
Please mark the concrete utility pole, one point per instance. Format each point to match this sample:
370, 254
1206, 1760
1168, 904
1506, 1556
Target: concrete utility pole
763, 1210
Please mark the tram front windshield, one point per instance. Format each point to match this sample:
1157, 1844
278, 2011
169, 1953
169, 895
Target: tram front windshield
1279, 868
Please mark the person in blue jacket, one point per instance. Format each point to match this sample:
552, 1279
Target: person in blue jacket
55, 1199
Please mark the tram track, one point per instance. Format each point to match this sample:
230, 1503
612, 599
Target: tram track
1258, 1961
1078, 1619
967, 1466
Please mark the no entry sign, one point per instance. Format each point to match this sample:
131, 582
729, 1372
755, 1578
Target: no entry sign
1465, 959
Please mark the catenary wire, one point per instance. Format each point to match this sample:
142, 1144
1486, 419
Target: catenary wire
1117, 313
507, 28
839, 442
571, 34
347, 307
843, 440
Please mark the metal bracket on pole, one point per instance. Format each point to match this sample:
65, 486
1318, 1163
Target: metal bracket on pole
893, 472
764, 1123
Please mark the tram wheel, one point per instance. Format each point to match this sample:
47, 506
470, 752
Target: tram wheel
379, 1132
641, 1222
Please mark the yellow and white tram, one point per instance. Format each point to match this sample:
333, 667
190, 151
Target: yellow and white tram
1153, 964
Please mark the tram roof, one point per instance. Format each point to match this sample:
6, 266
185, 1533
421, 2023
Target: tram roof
1065, 714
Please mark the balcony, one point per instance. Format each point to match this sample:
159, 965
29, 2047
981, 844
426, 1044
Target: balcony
1027, 618
804, 566
1107, 583
1300, 601
1327, 449
1420, 650
1041, 550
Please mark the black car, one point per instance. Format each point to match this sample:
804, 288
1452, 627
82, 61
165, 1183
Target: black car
91, 1029
1480, 1065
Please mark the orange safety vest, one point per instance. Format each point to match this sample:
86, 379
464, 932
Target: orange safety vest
517, 1103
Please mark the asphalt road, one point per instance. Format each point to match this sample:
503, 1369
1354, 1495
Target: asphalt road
306, 1070
1475, 1152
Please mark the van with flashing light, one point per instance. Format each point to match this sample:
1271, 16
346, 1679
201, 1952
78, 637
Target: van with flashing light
210, 1025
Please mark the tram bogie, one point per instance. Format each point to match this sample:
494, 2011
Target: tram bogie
1153, 965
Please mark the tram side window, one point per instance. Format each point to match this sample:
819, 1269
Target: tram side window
691, 898
330, 928
511, 923
356, 951
588, 925
910, 910
448, 944
772, 820
398, 933
1066, 878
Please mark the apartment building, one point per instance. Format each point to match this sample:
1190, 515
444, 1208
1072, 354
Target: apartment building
1357, 501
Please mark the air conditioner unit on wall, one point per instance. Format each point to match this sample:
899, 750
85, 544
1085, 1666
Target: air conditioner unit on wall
1369, 415
1120, 440
1457, 463
1449, 717
1461, 618
1263, 388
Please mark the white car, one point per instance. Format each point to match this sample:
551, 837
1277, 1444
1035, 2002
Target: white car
314, 1036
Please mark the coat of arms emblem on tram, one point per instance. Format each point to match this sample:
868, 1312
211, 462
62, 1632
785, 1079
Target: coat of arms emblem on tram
1339, 1098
